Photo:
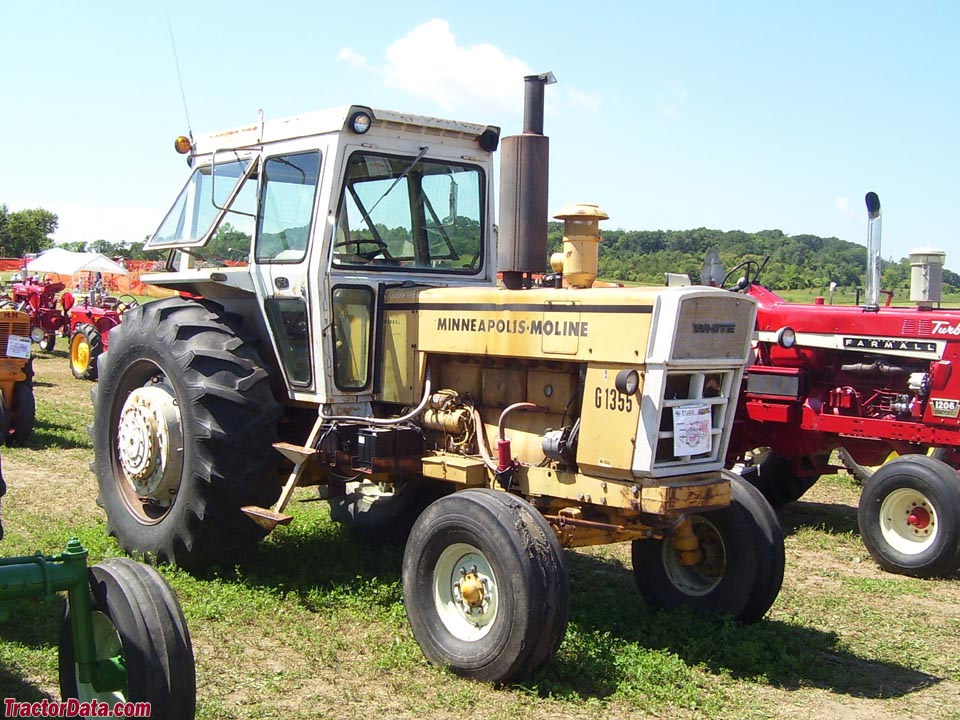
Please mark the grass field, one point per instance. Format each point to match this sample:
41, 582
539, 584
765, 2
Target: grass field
312, 625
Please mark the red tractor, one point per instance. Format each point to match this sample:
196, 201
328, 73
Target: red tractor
91, 320
875, 382
39, 300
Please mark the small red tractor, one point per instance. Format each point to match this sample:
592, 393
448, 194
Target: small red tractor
874, 382
90, 321
39, 299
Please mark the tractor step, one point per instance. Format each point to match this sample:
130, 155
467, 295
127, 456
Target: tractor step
265, 517
297, 454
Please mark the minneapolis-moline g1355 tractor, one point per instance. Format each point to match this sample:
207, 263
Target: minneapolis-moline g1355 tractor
339, 303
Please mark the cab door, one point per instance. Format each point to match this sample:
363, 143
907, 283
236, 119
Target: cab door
281, 252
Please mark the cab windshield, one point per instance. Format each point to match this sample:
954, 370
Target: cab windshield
410, 213
199, 220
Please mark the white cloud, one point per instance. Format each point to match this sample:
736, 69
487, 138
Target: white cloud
428, 62
355, 60
584, 100
842, 205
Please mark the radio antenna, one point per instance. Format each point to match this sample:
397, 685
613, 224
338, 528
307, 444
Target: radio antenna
183, 95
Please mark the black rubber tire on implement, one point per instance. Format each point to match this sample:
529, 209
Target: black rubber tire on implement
515, 549
912, 484
89, 335
24, 415
862, 473
774, 478
49, 342
743, 561
227, 416
390, 516
136, 613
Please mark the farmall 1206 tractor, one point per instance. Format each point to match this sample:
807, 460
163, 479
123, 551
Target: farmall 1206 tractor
877, 382
367, 341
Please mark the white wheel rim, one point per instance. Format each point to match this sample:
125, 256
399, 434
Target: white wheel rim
465, 592
150, 443
908, 521
700, 579
107, 643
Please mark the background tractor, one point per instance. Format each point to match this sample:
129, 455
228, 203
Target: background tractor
367, 340
38, 298
874, 381
17, 406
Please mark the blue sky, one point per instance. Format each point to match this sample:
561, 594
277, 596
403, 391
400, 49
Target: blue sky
736, 116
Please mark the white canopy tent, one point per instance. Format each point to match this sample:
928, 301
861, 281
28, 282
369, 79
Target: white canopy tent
66, 262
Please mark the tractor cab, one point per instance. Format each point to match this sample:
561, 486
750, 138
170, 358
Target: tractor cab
302, 225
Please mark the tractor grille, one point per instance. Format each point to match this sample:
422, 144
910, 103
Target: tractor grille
694, 412
18, 325
713, 327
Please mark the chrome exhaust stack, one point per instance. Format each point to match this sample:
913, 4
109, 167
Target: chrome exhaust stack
872, 302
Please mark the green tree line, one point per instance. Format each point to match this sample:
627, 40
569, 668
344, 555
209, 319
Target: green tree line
794, 262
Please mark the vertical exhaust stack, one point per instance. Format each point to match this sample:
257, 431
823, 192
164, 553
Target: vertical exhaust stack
872, 303
524, 172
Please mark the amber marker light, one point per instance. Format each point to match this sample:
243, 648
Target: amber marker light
183, 144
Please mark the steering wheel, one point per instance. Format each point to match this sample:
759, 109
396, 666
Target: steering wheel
125, 302
751, 269
380, 248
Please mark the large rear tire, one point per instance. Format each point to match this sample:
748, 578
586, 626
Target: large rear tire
136, 618
185, 421
385, 513
741, 565
862, 473
775, 476
86, 347
485, 585
909, 517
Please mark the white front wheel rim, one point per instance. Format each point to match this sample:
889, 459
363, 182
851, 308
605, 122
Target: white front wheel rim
465, 592
908, 521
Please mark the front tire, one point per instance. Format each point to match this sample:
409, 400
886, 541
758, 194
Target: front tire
136, 617
740, 569
24, 415
49, 342
909, 517
485, 585
185, 421
86, 346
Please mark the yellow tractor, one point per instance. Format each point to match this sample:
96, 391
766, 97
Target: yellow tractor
17, 406
348, 306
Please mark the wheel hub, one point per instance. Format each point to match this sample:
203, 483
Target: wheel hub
465, 592
470, 589
150, 443
82, 359
918, 518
